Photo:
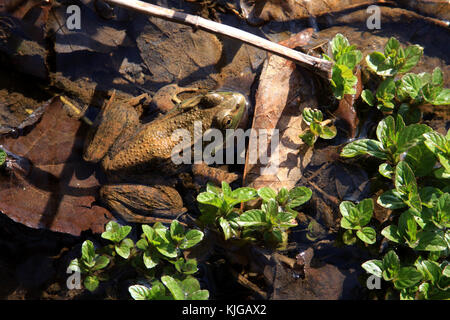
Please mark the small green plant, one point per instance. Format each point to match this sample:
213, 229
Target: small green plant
89, 265
424, 280
116, 234
395, 139
159, 253
186, 289
346, 58
159, 243
409, 91
317, 127
395, 59
356, 217
269, 223
218, 207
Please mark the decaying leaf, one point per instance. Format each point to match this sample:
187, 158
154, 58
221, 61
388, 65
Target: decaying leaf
47, 184
284, 91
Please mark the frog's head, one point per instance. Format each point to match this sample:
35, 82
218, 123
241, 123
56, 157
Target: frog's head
229, 109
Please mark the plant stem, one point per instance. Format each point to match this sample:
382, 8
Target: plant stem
320, 66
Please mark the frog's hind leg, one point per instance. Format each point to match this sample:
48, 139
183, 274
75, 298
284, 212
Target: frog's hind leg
143, 204
116, 120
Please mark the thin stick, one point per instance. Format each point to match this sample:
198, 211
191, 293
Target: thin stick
320, 66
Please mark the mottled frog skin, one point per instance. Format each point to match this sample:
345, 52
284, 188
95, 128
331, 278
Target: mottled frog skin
136, 157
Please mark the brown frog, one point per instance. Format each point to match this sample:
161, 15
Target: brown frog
136, 157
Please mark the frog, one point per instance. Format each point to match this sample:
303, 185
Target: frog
136, 155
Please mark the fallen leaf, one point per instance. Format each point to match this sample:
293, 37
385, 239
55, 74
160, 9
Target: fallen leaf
47, 184
284, 91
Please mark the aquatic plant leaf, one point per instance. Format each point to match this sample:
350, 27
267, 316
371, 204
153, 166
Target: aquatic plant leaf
407, 277
373, 267
367, 234
368, 97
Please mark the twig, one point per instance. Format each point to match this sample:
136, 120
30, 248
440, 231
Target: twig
320, 66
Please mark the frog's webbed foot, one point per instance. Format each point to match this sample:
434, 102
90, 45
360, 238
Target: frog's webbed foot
75, 110
143, 204
167, 97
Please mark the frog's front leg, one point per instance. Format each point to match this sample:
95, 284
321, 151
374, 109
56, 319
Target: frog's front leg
138, 203
116, 120
167, 97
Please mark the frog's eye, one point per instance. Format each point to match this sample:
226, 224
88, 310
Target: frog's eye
227, 122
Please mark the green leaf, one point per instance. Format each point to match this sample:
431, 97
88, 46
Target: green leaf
2, 157
374, 60
199, 295
386, 90
443, 98
91, 283
139, 292
88, 253
410, 136
405, 181
338, 44
420, 159
407, 277
348, 238
430, 270
342, 81
151, 235
174, 287
411, 84
391, 199
282, 196
386, 132
308, 137
386, 170
162, 231
407, 226
364, 146
365, 211
192, 238
328, 132
350, 215
286, 220
190, 285
210, 198
374, 267
226, 189
252, 218
430, 241
368, 97
350, 59
176, 231
391, 47
391, 233
367, 234
437, 78
150, 259
267, 193
436, 142
226, 228
312, 115
298, 196
74, 265
391, 265
244, 194
168, 250
124, 249
412, 56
